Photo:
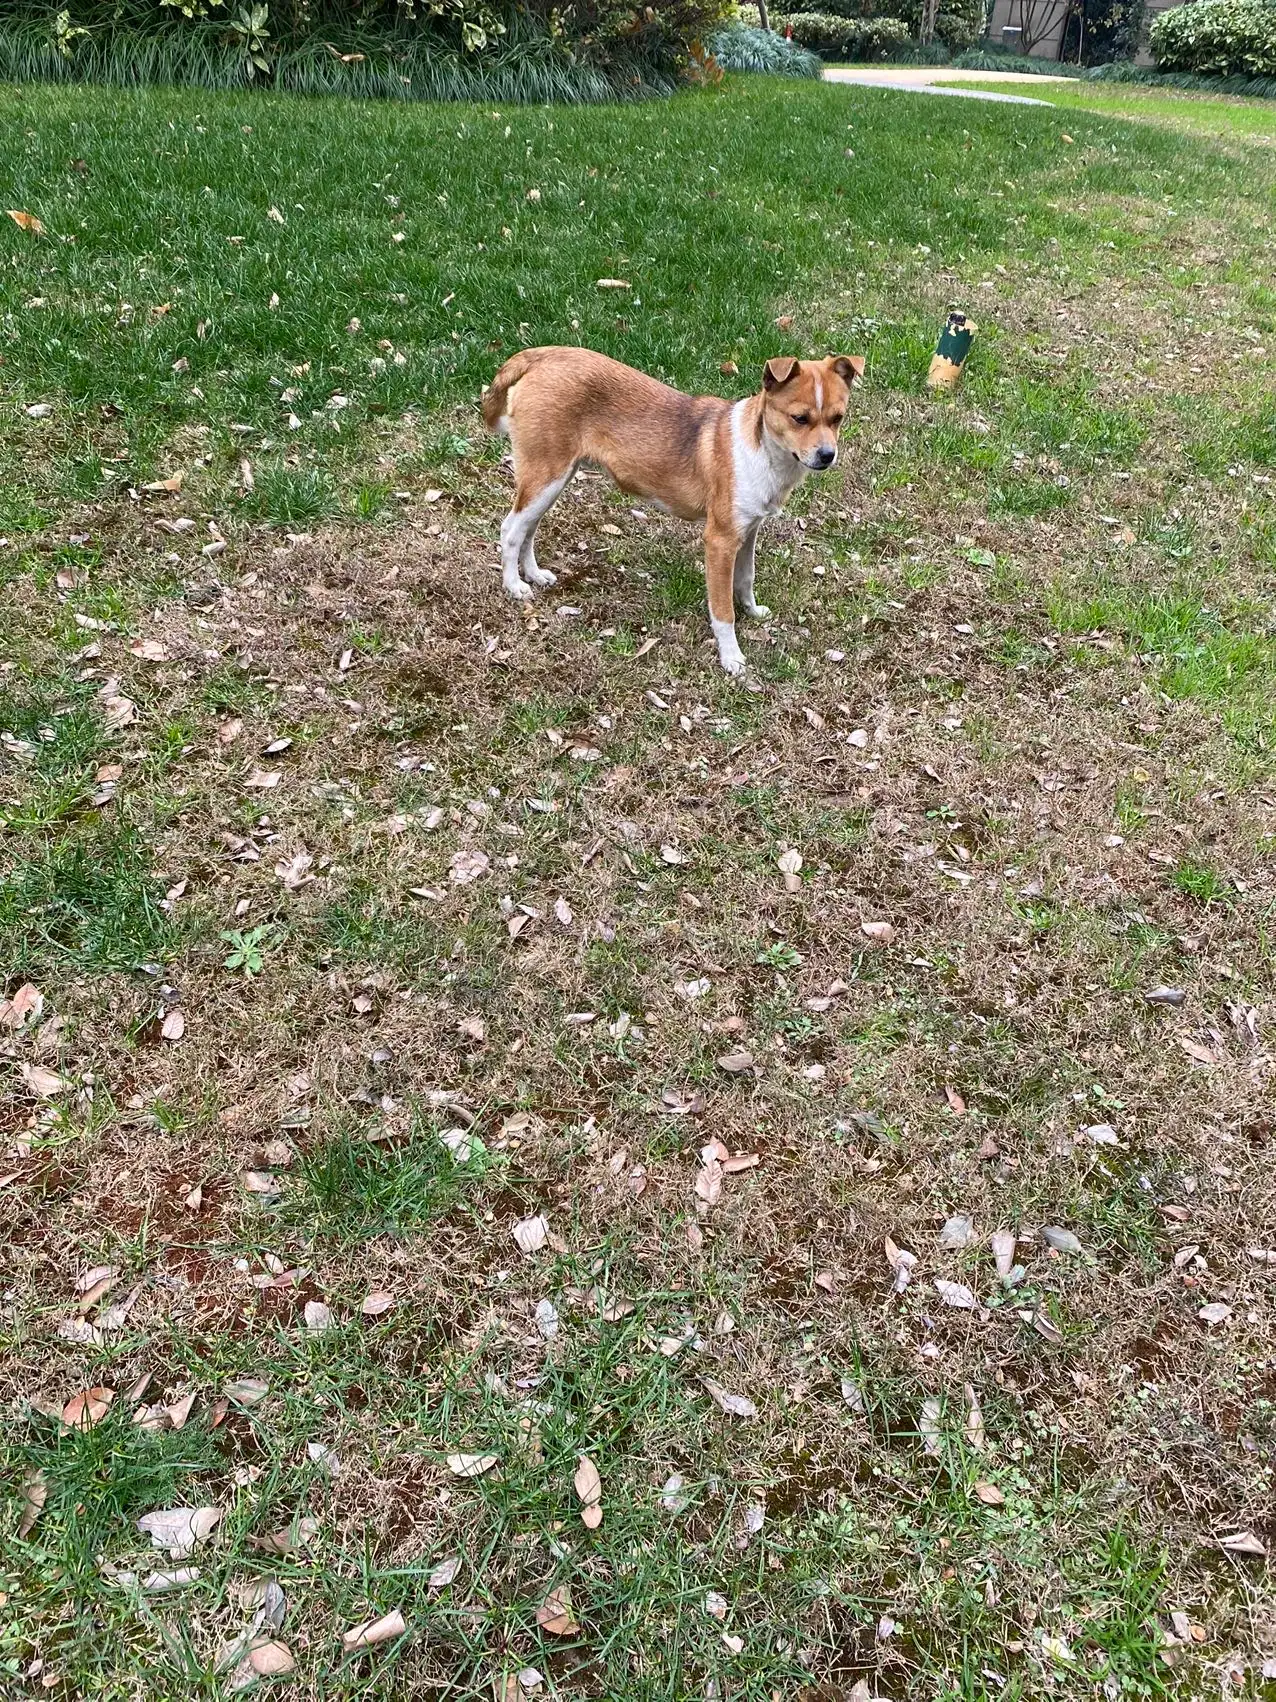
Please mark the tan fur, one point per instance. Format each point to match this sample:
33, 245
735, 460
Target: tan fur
561, 406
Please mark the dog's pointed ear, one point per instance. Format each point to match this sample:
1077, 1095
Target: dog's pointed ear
848, 367
779, 370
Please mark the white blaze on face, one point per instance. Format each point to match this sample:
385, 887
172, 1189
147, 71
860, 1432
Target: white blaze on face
819, 393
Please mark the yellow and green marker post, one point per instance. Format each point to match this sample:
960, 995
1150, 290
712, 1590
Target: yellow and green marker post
950, 352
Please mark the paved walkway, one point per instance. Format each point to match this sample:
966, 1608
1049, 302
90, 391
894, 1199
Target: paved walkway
930, 80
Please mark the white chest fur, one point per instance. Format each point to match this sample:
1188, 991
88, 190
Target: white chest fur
765, 473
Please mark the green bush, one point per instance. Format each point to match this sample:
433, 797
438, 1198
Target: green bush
848, 38
1250, 88
737, 48
1217, 38
958, 23
476, 49
986, 58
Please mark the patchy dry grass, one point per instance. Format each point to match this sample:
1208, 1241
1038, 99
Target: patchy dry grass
1016, 702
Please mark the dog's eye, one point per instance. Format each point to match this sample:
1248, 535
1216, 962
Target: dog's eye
836, 420
800, 419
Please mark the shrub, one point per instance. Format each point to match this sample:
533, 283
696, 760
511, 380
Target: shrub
737, 48
986, 58
478, 49
1252, 88
848, 38
958, 23
1218, 38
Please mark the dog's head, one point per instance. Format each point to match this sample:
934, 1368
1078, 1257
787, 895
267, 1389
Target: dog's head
805, 402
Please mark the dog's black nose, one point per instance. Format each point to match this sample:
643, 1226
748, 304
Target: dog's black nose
825, 457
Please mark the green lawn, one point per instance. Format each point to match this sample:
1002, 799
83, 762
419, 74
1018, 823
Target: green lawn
364, 918
1203, 115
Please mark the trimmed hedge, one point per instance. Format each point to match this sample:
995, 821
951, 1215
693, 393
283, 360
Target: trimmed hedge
742, 48
1219, 38
849, 38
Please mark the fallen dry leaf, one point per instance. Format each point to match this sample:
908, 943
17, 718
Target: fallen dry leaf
87, 1408
674, 1498
94, 1276
444, 1573
709, 1182
179, 1529
956, 1103
35, 1492
737, 1406
27, 222
294, 871
23, 1008
180, 1411
589, 1487
531, 1234
1217, 1312
974, 1427
957, 1232
377, 1304
989, 1494
901, 1263
43, 1083
1003, 1250
735, 1063
1062, 1240
318, 1317
928, 1424
295, 1535
246, 1391
1194, 1049
955, 1294
173, 1026
374, 1631
467, 866
471, 1465
270, 1659
789, 864
1243, 1542
555, 1613
881, 933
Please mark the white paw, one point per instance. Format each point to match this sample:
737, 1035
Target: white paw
539, 576
520, 592
733, 663
757, 611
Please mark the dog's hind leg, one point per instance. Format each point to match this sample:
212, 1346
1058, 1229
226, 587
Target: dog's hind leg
533, 499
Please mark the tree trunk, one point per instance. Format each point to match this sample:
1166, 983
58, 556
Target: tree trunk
764, 17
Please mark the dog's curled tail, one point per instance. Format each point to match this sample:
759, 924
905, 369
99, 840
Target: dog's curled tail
493, 403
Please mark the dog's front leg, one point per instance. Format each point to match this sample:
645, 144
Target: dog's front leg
721, 544
744, 576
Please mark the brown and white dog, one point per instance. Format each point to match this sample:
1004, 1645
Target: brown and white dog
729, 464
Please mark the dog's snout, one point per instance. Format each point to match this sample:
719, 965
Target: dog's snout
825, 456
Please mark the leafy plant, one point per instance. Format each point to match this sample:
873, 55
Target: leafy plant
739, 48
1219, 38
66, 34
249, 32
248, 950
848, 38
